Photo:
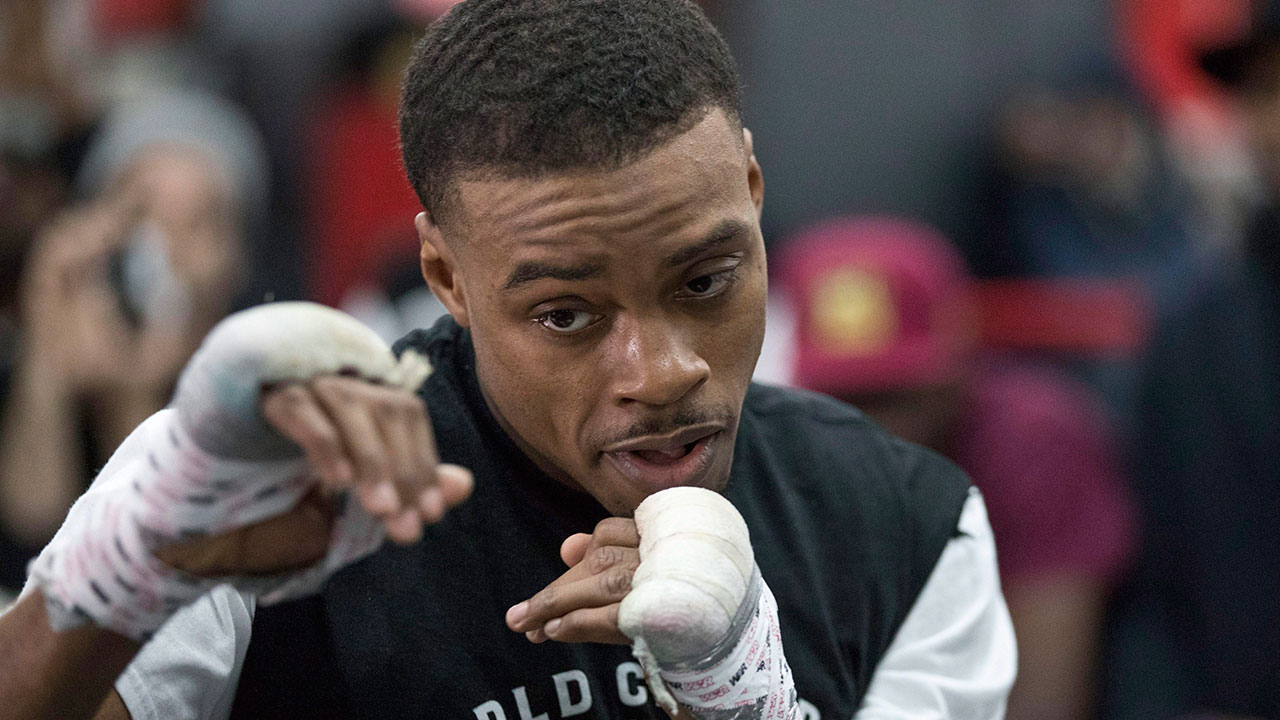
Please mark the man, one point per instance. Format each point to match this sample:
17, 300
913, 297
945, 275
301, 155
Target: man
591, 221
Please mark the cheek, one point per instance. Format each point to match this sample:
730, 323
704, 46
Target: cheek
740, 334
538, 394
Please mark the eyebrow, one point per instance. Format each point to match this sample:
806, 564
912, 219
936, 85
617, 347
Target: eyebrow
724, 232
528, 272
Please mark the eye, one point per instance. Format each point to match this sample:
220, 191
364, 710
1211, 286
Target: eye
567, 322
708, 285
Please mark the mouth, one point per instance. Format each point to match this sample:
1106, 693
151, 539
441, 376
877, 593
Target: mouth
677, 459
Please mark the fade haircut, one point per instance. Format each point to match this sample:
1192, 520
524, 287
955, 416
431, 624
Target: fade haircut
522, 88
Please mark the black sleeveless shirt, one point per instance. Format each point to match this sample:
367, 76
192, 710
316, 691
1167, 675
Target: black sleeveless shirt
846, 522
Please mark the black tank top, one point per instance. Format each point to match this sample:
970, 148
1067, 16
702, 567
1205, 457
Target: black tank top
846, 521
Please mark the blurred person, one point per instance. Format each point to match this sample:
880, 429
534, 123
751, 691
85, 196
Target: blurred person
360, 244
1085, 190
116, 294
278, 60
1200, 623
1161, 41
884, 317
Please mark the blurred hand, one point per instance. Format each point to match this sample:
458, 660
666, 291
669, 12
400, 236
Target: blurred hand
373, 440
75, 330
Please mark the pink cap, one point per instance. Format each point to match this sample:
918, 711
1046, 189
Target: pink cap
881, 303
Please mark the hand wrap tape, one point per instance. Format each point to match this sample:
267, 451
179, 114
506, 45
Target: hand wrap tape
703, 623
210, 465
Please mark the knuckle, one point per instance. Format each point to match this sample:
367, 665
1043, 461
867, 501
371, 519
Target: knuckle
324, 439
543, 602
427, 461
332, 389
384, 412
412, 475
614, 530
617, 582
413, 409
327, 384
371, 461
601, 559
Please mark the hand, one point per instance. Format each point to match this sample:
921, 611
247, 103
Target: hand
582, 604
374, 440
73, 326
76, 333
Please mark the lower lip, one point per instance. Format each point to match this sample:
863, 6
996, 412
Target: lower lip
688, 470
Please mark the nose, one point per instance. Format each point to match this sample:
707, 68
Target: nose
655, 364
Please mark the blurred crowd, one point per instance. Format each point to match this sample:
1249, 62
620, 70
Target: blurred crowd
1041, 238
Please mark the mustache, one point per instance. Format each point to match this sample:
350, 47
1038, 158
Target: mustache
669, 424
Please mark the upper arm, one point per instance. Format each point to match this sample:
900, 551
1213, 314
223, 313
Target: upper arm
954, 658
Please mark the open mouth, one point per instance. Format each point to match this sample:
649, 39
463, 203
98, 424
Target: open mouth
666, 456
657, 465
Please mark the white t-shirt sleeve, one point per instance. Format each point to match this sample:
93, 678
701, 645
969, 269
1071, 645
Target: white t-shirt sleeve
190, 668
955, 656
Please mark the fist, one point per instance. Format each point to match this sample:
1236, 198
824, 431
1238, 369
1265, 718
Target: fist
372, 440
582, 604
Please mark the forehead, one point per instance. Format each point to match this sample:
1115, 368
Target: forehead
696, 178
177, 176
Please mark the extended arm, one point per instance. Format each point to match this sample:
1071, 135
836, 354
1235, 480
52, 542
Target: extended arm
170, 518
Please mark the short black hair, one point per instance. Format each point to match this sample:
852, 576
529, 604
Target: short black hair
521, 88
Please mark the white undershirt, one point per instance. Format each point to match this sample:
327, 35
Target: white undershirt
954, 657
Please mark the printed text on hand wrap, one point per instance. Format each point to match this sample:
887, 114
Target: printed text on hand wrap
703, 622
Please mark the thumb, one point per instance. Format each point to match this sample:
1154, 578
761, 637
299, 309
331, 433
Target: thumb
574, 548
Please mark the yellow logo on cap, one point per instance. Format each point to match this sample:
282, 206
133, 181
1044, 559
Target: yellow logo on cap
853, 313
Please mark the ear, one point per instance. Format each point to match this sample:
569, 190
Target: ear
755, 176
439, 269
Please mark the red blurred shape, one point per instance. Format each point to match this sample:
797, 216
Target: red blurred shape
361, 206
122, 19
1110, 317
1162, 40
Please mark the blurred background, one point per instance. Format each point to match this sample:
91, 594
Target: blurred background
1039, 236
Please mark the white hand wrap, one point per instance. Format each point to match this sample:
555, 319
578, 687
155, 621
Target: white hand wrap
210, 465
702, 621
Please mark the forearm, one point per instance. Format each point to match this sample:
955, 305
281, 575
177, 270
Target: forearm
47, 674
41, 462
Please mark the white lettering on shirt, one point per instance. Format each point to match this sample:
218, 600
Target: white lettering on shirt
563, 680
522, 704
631, 688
